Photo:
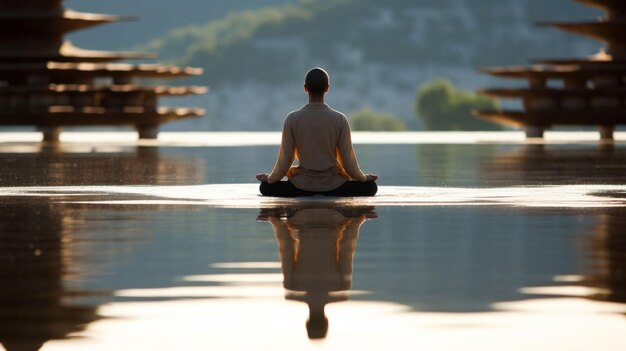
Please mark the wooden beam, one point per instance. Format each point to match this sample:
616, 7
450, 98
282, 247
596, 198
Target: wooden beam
73, 116
557, 117
94, 69
515, 93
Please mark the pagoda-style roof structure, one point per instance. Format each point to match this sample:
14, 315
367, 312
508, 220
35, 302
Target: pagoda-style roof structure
47, 82
571, 91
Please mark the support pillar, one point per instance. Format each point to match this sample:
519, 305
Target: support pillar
148, 132
50, 134
606, 132
534, 132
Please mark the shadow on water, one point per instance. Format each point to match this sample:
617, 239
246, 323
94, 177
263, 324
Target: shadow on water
512, 165
67, 165
316, 247
42, 251
606, 256
556, 164
605, 246
37, 258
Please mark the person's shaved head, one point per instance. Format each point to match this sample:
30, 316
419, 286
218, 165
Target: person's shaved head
316, 81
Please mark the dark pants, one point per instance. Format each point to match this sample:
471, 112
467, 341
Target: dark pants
349, 188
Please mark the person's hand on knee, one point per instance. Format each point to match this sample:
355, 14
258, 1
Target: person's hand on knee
371, 177
263, 177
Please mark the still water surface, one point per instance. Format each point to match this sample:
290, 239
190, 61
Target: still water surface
532, 259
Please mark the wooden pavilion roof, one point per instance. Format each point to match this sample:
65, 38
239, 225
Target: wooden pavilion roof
602, 58
607, 32
32, 32
51, 23
557, 72
515, 93
30, 5
87, 69
557, 117
606, 5
97, 116
583, 63
69, 53
88, 88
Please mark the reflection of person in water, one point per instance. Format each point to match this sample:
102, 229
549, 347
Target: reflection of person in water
316, 248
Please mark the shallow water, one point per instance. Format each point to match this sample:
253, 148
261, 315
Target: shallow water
485, 246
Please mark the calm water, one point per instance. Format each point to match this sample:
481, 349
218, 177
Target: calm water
109, 268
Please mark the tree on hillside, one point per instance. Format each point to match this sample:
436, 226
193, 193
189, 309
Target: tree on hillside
440, 106
367, 119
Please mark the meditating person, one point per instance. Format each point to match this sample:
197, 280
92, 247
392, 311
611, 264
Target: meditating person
318, 137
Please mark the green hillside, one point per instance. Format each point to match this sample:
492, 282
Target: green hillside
154, 18
378, 53
274, 43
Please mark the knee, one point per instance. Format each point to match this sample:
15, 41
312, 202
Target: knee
372, 188
264, 188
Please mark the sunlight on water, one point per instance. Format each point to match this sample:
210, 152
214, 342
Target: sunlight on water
576, 291
273, 324
246, 265
236, 278
196, 139
239, 291
247, 196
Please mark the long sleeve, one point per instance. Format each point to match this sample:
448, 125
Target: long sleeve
318, 137
346, 244
286, 250
347, 156
286, 154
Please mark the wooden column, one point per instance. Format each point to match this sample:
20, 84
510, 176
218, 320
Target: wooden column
606, 132
533, 104
574, 102
148, 132
606, 101
50, 134
123, 80
534, 132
